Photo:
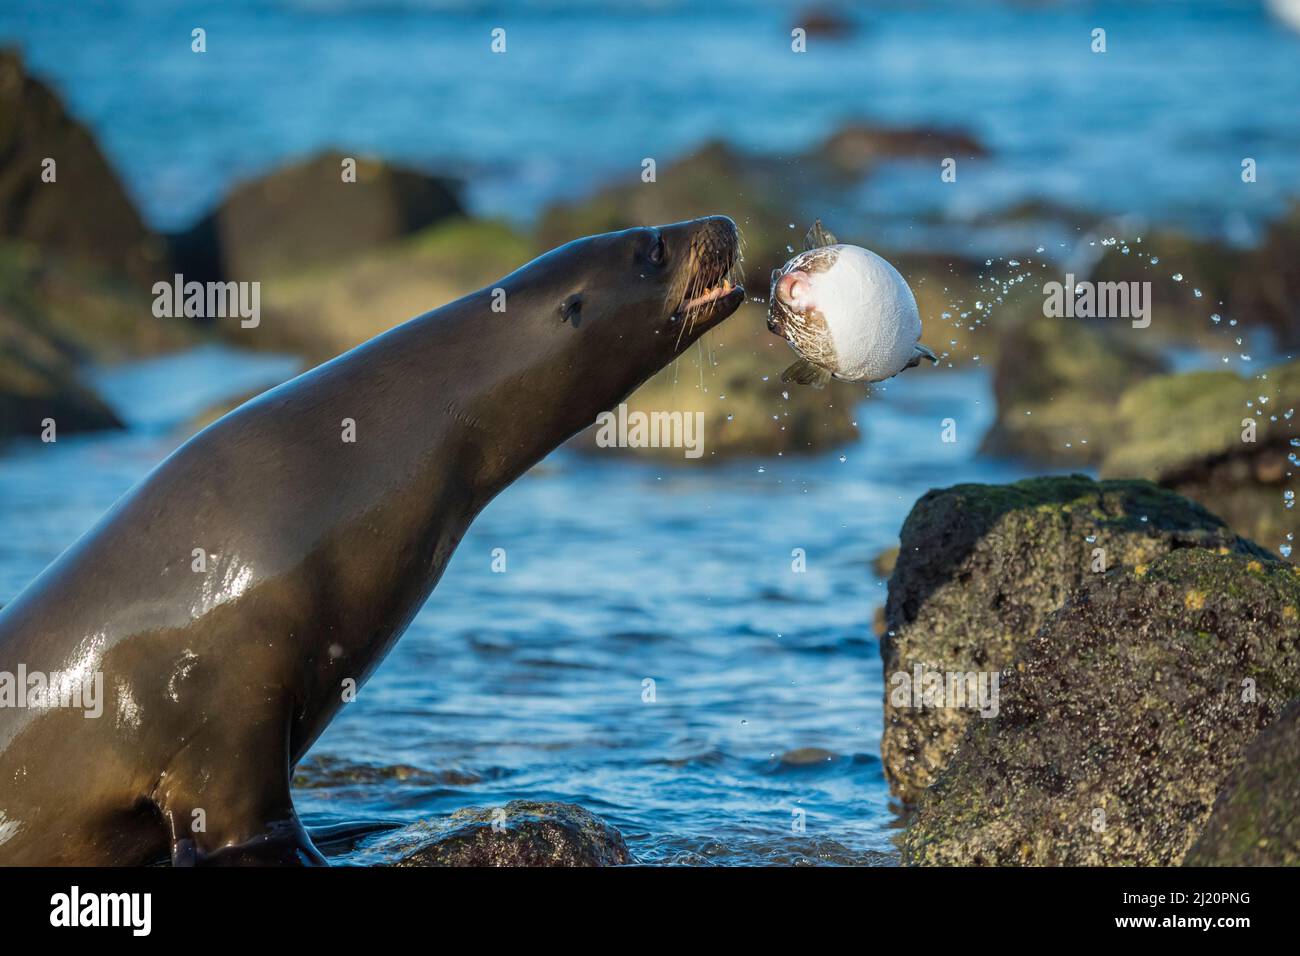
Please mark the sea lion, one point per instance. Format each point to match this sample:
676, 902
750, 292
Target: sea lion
229, 599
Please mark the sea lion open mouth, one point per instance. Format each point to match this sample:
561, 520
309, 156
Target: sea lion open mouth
713, 290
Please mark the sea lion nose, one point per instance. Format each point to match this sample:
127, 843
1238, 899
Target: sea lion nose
792, 287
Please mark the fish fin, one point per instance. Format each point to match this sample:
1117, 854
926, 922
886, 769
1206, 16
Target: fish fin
819, 236
922, 352
806, 373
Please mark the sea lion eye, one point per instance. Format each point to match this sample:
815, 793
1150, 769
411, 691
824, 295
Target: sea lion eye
657, 251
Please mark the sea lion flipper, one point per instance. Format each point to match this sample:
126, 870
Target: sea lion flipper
242, 815
819, 236
805, 372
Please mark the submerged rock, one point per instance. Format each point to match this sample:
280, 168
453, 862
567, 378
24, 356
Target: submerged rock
522, 833
1256, 818
981, 567
1122, 719
85, 213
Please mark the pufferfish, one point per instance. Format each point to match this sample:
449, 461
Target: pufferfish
847, 312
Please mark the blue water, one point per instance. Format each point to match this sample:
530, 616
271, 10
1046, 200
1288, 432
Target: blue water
529, 683
1154, 128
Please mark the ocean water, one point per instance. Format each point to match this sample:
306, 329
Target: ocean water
529, 683
1154, 129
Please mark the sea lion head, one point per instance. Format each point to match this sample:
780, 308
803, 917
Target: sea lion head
615, 308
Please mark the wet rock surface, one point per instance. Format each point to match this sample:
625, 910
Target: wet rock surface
981, 567
1122, 719
522, 833
1255, 820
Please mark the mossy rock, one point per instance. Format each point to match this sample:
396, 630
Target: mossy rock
1121, 720
37, 382
1178, 313
1256, 818
324, 310
734, 378
1056, 381
759, 194
1186, 431
522, 833
82, 312
981, 567
1169, 424
305, 214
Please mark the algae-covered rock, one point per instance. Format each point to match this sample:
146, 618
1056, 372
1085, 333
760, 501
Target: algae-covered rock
981, 567
1122, 719
1177, 266
83, 212
1056, 381
522, 833
1190, 431
758, 193
734, 380
38, 384
1256, 818
323, 310
308, 214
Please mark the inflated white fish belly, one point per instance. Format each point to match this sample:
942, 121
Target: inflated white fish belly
871, 315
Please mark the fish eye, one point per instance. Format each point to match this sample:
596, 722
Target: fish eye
657, 251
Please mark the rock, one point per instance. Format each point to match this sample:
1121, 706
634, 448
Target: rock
757, 192
823, 21
1178, 314
531, 833
1121, 720
38, 383
1185, 431
85, 214
857, 147
884, 563
1254, 821
80, 313
981, 567
306, 215
1266, 288
744, 415
1056, 381
321, 311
